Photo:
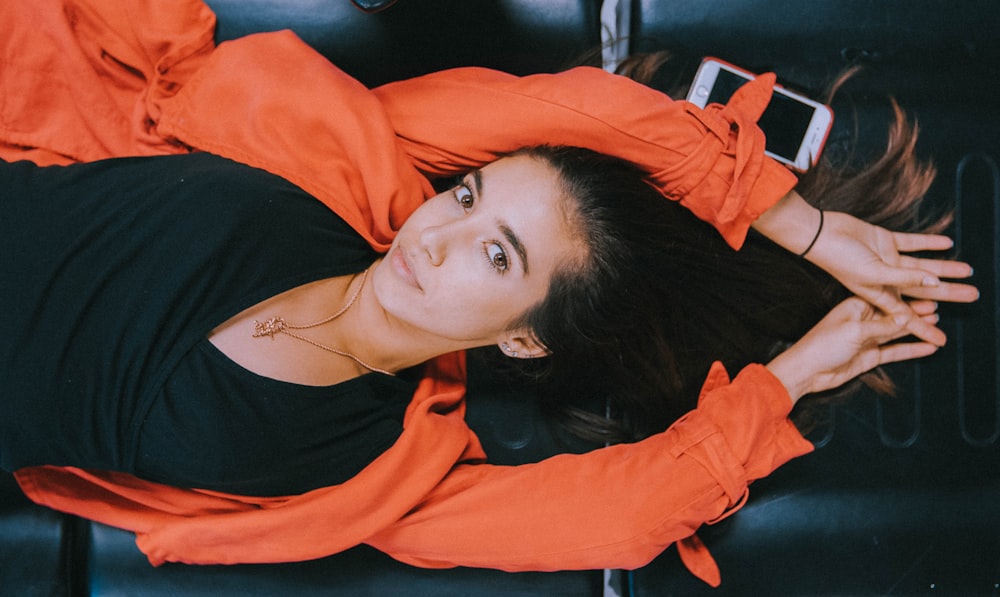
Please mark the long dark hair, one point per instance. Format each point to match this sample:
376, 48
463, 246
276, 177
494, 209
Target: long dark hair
662, 296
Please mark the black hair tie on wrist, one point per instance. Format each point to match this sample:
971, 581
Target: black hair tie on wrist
815, 238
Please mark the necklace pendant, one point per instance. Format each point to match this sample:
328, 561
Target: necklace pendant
268, 327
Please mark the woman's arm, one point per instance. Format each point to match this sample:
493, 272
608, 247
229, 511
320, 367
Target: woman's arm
620, 506
711, 160
615, 507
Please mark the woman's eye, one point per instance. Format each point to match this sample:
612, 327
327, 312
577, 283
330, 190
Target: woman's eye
496, 256
463, 195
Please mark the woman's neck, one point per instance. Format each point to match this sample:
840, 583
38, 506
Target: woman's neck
385, 342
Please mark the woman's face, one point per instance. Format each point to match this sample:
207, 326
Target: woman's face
471, 260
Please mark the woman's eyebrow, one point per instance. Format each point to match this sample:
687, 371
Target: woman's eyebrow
477, 180
512, 239
516, 243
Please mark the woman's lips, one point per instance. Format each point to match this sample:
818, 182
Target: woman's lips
402, 266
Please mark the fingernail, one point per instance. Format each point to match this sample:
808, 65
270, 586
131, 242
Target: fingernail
930, 281
900, 319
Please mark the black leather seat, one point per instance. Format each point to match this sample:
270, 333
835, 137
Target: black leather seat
415, 37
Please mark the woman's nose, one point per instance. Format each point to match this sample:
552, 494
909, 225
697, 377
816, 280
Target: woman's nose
434, 241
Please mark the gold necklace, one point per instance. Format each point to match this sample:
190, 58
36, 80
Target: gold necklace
278, 325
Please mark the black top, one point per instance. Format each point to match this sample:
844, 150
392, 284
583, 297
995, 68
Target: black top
113, 273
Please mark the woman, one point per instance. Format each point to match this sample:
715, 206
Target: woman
469, 267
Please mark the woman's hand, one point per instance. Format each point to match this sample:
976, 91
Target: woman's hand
852, 339
870, 261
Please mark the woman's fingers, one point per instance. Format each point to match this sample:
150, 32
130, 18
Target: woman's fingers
884, 328
930, 286
904, 275
908, 242
932, 319
919, 319
907, 280
903, 314
903, 351
883, 332
948, 292
923, 308
943, 268
921, 278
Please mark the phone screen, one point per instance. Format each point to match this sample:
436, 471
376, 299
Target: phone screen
784, 122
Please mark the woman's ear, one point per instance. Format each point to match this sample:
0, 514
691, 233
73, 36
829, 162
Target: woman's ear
523, 346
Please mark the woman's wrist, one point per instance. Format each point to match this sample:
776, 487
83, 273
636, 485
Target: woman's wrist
791, 223
787, 372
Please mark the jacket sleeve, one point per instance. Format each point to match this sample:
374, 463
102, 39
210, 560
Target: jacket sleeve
711, 160
362, 146
615, 507
313, 125
80, 80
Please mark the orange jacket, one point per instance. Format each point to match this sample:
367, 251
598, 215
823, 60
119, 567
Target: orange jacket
95, 79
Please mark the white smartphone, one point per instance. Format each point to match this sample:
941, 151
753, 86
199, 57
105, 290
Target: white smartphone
796, 127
